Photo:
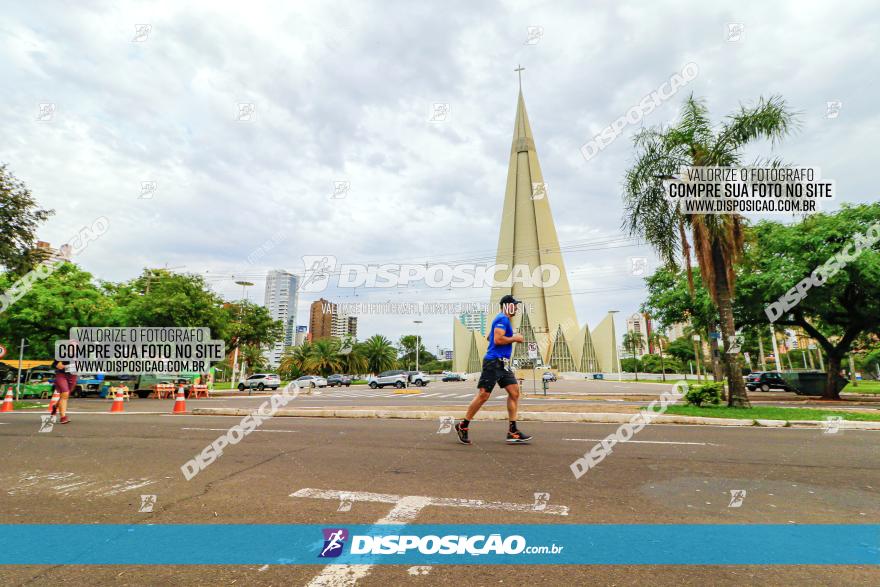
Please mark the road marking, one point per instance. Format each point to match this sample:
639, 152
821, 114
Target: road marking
227, 429
643, 441
431, 395
405, 510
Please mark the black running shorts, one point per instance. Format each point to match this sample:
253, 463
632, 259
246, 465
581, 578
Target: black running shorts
495, 371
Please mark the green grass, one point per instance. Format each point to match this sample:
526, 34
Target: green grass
23, 405
770, 413
863, 387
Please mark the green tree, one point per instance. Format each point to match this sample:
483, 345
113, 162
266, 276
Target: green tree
835, 313
163, 298
380, 353
682, 349
633, 342
66, 298
406, 346
354, 362
717, 238
250, 324
658, 340
19, 219
293, 361
324, 357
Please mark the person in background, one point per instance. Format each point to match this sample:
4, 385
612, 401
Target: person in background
65, 382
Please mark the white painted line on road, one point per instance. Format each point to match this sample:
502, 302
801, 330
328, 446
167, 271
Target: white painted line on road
405, 510
643, 441
431, 395
227, 429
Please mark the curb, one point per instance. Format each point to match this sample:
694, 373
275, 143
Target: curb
539, 417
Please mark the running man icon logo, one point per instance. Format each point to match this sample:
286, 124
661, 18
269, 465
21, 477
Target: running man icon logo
334, 541
147, 503
47, 423
737, 496
317, 272
446, 424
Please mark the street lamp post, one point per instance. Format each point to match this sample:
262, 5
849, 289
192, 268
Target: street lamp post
418, 343
244, 285
614, 344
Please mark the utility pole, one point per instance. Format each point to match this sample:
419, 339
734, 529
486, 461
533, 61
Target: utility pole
20, 358
775, 349
418, 343
852, 371
761, 352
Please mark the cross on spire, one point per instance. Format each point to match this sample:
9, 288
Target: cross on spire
519, 69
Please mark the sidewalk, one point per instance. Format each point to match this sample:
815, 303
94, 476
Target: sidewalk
609, 415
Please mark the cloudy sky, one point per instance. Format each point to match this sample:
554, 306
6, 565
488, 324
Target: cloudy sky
344, 92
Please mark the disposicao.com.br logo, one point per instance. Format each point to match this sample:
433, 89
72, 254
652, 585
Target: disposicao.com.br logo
401, 544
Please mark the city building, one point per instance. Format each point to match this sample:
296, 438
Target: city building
475, 321
302, 333
641, 323
326, 321
281, 299
320, 319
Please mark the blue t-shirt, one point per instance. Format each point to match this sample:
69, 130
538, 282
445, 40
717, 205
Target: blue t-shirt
501, 351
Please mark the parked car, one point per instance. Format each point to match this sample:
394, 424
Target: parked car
452, 377
766, 380
311, 381
549, 376
396, 378
260, 381
419, 378
339, 380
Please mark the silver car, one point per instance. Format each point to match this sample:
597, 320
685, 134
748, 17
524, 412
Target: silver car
311, 381
396, 378
260, 381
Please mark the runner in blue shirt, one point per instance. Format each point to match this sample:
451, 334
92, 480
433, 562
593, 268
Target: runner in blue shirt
497, 369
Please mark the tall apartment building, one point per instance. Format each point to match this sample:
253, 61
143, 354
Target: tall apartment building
474, 321
321, 319
281, 299
326, 321
641, 323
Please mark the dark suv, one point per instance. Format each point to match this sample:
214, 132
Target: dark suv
766, 380
339, 380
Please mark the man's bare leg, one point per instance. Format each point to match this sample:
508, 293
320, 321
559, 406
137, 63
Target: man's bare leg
514, 435
477, 403
512, 401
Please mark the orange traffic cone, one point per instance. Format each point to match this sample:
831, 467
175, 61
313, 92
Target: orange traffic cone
117, 405
179, 402
7, 401
55, 398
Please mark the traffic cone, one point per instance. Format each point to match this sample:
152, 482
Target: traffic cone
7, 401
118, 405
179, 402
55, 398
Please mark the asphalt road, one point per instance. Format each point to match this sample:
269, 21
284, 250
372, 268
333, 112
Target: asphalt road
95, 469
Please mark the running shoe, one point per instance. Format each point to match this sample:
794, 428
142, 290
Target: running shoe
462, 434
517, 437
64, 420
54, 408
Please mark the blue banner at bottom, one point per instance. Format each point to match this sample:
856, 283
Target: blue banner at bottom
418, 544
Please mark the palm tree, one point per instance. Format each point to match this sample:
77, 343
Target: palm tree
253, 355
324, 357
293, 362
717, 238
355, 362
633, 342
380, 353
658, 339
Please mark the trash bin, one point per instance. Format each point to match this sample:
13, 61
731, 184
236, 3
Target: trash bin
811, 382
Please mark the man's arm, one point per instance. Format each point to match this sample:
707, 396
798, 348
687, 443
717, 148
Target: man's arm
500, 338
